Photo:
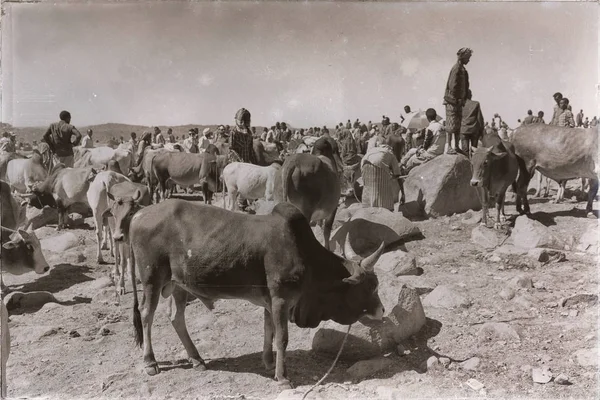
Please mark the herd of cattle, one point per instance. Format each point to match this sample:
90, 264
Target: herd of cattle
274, 261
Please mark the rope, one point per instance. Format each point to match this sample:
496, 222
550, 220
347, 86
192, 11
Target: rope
332, 365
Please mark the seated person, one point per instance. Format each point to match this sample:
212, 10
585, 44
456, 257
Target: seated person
433, 146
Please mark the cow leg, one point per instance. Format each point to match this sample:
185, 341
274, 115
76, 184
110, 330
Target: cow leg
500, 210
61, 218
267, 356
483, 197
280, 322
591, 196
147, 309
233, 204
539, 187
117, 271
99, 220
179, 297
327, 228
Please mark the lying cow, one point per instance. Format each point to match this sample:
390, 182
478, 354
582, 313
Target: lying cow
311, 183
23, 173
559, 153
495, 168
249, 181
273, 261
63, 187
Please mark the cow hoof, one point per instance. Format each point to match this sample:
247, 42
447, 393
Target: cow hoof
269, 366
152, 369
590, 214
284, 384
198, 365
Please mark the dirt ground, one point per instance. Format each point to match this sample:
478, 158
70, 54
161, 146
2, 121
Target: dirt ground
84, 348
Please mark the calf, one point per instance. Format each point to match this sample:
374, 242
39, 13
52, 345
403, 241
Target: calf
273, 261
63, 187
495, 168
249, 181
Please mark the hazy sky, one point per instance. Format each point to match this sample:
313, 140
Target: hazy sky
304, 63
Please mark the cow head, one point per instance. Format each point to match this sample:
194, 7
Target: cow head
211, 170
122, 210
23, 253
482, 161
136, 174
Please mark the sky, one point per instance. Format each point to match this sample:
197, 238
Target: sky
304, 63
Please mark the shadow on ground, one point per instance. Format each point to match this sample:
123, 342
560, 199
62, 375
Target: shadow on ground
60, 277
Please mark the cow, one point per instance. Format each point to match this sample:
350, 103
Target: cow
311, 183
143, 169
125, 199
266, 153
63, 187
273, 261
249, 181
559, 153
12, 213
22, 173
99, 157
21, 253
495, 168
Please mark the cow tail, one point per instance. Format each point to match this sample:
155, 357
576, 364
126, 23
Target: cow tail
286, 174
137, 317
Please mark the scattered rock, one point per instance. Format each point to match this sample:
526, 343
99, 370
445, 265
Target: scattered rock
584, 299
397, 263
485, 237
562, 379
498, 331
60, 243
475, 384
471, 364
363, 342
432, 362
587, 357
529, 233
367, 368
105, 296
421, 284
445, 361
521, 281
263, 207
74, 334
541, 375
407, 317
524, 300
494, 258
510, 250
442, 186
41, 217
507, 293
49, 332
104, 331
76, 220
546, 256
445, 296
471, 217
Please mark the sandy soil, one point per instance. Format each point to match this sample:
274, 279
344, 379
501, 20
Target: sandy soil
83, 347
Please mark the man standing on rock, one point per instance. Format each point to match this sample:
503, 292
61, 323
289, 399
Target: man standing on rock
58, 137
455, 97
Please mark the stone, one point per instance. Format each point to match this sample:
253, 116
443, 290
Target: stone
587, 357
105, 296
60, 243
541, 375
371, 226
486, 237
72, 256
498, 331
509, 250
407, 316
507, 293
367, 368
529, 233
36, 218
397, 263
81, 209
585, 299
444, 296
76, 220
475, 384
263, 207
588, 242
471, 218
442, 187
29, 300
471, 364
562, 379
445, 361
546, 256
521, 281
432, 362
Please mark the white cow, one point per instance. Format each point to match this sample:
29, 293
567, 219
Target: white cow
23, 173
100, 156
98, 202
250, 181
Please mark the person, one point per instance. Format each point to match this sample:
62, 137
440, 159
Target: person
557, 110
472, 124
528, 119
369, 125
455, 97
380, 172
565, 118
190, 144
286, 133
133, 141
87, 142
263, 135
170, 136
579, 119
158, 137
6, 145
58, 137
348, 125
539, 119
593, 122
374, 140
205, 140
242, 143
586, 123
146, 141
348, 148
496, 122
406, 113
433, 146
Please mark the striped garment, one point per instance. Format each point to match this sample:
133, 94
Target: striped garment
380, 190
241, 143
565, 119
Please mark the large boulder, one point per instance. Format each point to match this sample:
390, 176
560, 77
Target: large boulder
369, 227
441, 187
445, 296
397, 263
529, 233
61, 243
369, 338
41, 217
486, 238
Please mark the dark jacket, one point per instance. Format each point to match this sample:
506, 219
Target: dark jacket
58, 136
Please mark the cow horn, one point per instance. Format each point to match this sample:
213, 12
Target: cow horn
369, 263
349, 252
137, 195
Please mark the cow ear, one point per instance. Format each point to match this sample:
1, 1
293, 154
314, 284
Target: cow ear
110, 195
23, 234
106, 214
353, 280
10, 245
137, 195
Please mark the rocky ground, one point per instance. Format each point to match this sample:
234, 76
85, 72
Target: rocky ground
497, 322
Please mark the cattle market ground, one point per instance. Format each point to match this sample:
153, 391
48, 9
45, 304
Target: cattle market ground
83, 347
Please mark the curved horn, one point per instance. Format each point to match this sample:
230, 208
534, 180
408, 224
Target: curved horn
369, 262
349, 252
137, 195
